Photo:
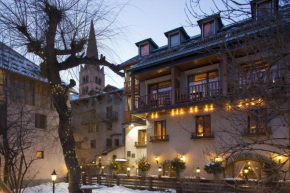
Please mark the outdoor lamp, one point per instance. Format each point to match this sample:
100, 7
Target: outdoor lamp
279, 158
182, 158
53, 178
246, 170
156, 159
197, 170
132, 125
100, 158
128, 171
103, 167
159, 171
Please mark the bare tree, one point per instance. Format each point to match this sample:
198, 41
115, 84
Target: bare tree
56, 32
254, 107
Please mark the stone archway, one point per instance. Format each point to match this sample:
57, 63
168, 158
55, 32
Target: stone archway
235, 163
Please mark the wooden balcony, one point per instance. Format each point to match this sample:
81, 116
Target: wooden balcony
209, 135
127, 87
140, 144
157, 138
198, 92
182, 95
257, 132
129, 118
153, 100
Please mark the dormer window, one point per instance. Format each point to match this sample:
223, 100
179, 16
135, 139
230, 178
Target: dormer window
174, 40
264, 9
144, 49
208, 29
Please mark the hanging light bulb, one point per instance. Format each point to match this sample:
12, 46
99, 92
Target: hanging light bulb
156, 115
206, 108
211, 107
196, 109
191, 110
176, 111
181, 111
152, 115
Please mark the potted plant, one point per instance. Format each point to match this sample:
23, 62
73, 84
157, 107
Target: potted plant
143, 166
214, 168
177, 165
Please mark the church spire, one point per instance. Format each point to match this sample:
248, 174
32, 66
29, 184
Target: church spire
92, 50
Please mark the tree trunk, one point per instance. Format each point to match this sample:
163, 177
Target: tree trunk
68, 144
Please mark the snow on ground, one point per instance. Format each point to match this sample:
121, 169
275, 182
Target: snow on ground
62, 188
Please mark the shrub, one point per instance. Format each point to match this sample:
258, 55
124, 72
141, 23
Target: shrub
177, 165
114, 165
143, 164
214, 168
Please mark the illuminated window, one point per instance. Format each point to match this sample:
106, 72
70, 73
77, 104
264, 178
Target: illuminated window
203, 125
144, 49
208, 29
257, 120
160, 128
40, 155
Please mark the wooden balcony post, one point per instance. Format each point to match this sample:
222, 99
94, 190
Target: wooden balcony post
174, 83
224, 73
133, 93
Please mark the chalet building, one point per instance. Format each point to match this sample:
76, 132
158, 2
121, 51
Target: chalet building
26, 107
196, 91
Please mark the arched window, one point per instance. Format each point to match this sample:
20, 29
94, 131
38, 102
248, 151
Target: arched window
96, 80
100, 81
84, 80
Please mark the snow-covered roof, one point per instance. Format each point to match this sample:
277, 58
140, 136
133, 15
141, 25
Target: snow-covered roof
11, 60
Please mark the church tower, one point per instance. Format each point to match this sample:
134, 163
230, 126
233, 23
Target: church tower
91, 76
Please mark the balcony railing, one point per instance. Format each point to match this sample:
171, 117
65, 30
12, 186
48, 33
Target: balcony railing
262, 79
206, 135
154, 100
156, 138
258, 131
198, 92
141, 144
128, 87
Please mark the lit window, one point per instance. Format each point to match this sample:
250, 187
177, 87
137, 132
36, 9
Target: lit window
40, 155
93, 128
144, 49
264, 10
160, 128
203, 126
174, 40
257, 121
40, 121
208, 29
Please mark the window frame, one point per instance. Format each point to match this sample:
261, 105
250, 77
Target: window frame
41, 155
170, 39
257, 120
214, 28
38, 121
108, 142
258, 10
155, 127
204, 133
140, 49
93, 144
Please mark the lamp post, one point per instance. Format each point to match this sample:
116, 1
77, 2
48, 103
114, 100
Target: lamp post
159, 171
246, 171
100, 159
128, 171
197, 170
53, 178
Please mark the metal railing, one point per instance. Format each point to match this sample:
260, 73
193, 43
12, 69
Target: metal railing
140, 143
154, 100
159, 138
204, 135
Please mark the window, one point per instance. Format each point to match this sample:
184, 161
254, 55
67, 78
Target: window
93, 144
97, 80
142, 137
87, 79
40, 121
264, 10
109, 111
40, 154
128, 153
144, 49
84, 80
257, 121
93, 128
100, 81
109, 143
174, 40
160, 128
160, 87
208, 29
203, 126
109, 126
200, 83
117, 142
